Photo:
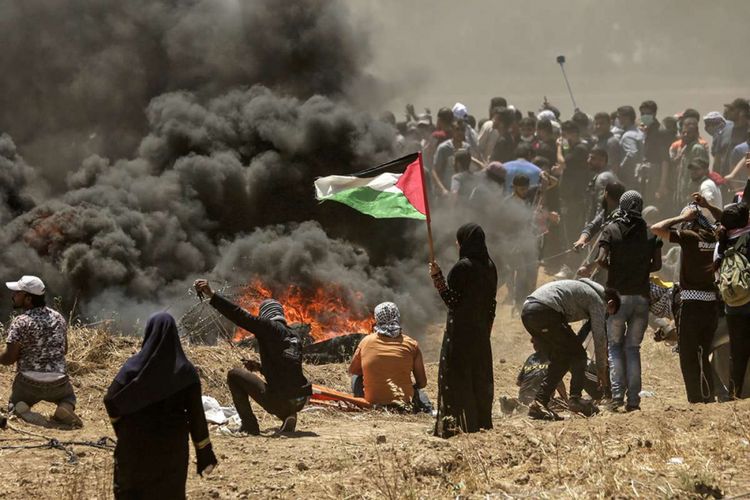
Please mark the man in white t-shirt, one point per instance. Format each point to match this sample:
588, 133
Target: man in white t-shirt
703, 184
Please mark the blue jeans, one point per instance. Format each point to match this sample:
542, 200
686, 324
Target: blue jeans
625, 332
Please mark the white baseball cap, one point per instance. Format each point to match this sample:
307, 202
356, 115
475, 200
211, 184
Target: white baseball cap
460, 111
28, 284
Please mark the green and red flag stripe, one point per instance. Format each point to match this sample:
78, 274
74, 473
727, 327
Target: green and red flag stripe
392, 190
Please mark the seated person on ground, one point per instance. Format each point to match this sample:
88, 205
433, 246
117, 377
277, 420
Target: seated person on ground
37, 342
386, 360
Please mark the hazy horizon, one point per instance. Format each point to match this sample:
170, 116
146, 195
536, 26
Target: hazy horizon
434, 54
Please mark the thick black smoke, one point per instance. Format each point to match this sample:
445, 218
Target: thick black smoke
79, 73
220, 182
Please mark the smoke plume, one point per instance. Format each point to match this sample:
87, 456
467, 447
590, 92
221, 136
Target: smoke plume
180, 139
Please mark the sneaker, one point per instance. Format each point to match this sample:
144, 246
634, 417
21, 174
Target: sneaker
64, 414
537, 411
615, 404
581, 407
253, 431
290, 423
251, 427
630, 408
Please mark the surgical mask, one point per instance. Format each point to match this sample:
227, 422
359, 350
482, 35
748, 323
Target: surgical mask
647, 120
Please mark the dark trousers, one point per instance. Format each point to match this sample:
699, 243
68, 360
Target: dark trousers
739, 349
560, 344
698, 322
244, 384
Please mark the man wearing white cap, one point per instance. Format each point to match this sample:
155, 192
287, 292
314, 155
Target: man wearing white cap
37, 342
720, 131
461, 112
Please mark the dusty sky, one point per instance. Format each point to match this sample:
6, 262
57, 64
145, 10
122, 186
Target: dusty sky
681, 53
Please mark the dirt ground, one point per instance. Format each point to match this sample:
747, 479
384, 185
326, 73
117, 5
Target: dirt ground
669, 450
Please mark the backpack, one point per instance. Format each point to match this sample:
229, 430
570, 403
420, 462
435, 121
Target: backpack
734, 274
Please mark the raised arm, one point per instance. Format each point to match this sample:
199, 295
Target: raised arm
663, 228
450, 290
234, 313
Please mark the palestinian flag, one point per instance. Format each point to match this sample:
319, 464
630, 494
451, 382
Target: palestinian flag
391, 190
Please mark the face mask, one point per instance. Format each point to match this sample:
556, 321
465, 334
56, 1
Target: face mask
647, 120
527, 138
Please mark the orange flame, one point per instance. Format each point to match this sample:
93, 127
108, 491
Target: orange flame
324, 309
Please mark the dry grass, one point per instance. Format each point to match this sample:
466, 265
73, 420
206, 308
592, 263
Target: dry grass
382, 455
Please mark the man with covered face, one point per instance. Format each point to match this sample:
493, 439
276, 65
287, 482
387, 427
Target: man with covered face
699, 314
285, 390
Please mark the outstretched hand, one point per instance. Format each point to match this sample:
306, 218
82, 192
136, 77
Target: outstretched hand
202, 288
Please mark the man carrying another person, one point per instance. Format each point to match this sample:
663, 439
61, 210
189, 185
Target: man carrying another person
546, 315
699, 314
522, 166
385, 361
37, 342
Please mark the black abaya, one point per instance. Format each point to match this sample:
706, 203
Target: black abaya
154, 403
465, 379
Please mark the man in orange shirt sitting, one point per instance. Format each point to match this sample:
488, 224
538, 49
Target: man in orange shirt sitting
384, 363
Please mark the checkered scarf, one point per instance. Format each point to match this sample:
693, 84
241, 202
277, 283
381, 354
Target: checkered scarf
387, 320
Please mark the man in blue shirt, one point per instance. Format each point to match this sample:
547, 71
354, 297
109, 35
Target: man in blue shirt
522, 165
631, 143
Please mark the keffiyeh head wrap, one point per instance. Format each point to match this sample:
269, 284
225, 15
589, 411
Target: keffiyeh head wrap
387, 320
272, 310
631, 206
701, 221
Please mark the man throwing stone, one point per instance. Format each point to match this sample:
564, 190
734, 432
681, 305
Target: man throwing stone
285, 390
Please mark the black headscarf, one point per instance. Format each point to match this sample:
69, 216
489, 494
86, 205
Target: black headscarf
471, 242
159, 370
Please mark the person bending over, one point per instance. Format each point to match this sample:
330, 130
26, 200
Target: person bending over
285, 390
546, 316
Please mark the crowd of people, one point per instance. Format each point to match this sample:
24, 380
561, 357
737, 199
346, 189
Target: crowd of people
603, 183
578, 183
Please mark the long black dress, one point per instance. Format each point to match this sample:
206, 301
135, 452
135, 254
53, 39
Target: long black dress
465, 379
154, 402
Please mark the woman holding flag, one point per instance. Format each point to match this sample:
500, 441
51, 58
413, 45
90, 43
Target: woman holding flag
465, 379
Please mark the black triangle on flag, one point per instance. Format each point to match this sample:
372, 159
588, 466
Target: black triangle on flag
395, 166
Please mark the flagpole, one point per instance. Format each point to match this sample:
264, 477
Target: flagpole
427, 209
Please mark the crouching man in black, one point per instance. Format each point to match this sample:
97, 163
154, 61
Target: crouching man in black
285, 390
